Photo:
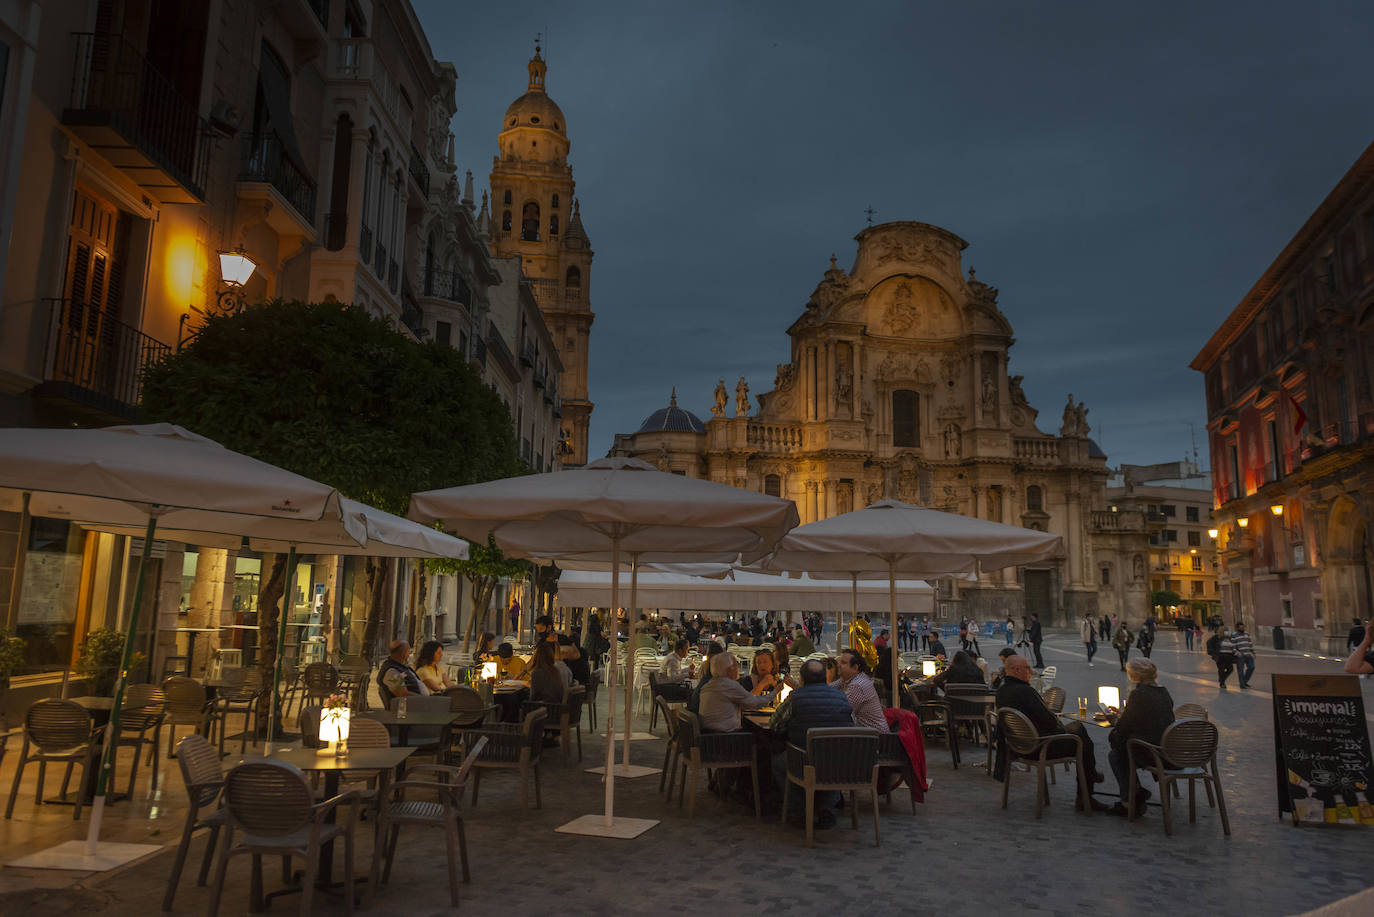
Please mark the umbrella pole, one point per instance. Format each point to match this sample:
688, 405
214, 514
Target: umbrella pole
610, 686
112, 730
288, 595
892, 630
853, 608
630, 674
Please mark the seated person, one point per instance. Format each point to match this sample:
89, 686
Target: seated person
694, 702
673, 684
762, 676
937, 649
508, 665
547, 683
813, 705
396, 678
486, 648
962, 671
1017, 693
571, 655
543, 630
832, 670
1003, 654
1148, 712
429, 670
858, 687
802, 645
723, 698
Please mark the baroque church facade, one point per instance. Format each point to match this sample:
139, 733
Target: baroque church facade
535, 216
898, 388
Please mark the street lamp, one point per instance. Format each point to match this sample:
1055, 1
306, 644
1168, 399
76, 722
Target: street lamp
235, 269
1242, 521
1276, 509
1211, 533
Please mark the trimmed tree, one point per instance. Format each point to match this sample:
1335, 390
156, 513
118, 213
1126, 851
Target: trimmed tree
329, 392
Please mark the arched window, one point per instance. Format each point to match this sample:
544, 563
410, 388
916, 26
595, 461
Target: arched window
906, 418
555, 202
506, 200
505, 221
1034, 499
529, 223
553, 224
573, 278
772, 485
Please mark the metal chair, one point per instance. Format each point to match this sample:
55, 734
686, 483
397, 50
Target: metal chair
1026, 744
272, 804
204, 778
445, 812
55, 732
839, 758
892, 753
512, 747
239, 700
185, 705
937, 715
140, 724
1187, 751
714, 751
354, 672
593, 688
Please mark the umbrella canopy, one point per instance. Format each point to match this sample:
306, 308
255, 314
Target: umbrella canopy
743, 591
892, 537
602, 512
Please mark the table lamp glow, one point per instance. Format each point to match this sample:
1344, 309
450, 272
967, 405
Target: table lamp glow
488, 670
334, 728
928, 667
1109, 696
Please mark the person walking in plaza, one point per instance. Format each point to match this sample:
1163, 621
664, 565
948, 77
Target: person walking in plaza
1223, 653
1244, 648
913, 635
973, 638
1087, 630
1145, 640
925, 635
1105, 631
1122, 641
963, 634
1036, 637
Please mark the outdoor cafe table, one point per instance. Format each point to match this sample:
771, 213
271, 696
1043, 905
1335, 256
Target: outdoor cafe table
99, 708
401, 724
1092, 719
333, 767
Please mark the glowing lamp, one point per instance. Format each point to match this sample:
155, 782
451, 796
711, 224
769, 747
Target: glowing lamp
1276, 509
1242, 522
1211, 533
1192, 550
235, 268
928, 667
488, 670
782, 695
1109, 696
334, 728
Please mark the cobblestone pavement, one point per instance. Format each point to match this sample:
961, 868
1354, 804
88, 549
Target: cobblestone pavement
961, 854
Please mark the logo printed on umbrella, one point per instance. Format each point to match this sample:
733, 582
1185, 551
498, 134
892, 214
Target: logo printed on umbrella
286, 507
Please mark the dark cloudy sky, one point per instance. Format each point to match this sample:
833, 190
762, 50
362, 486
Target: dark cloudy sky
1123, 173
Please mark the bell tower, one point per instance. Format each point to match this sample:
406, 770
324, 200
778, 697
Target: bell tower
536, 217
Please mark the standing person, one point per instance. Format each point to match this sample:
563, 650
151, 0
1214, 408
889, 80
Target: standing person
973, 637
925, 635
1188, 635
1122, 641
963, 634
1105, 631
913, 635
515, 616
1011, 626
1036, 636
1223, 653
1145, 640
1244, 648
1087, 630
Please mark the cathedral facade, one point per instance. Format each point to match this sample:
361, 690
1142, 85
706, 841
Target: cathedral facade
897, 388
535, 216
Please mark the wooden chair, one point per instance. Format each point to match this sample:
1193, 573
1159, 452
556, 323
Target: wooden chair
184, 702
55, 732
140, 724
892, 753
1024, 743
444, 812
1187, 751
513, 748
937, 715
715, 751
239, 700
839, 758
272, 804
204, 778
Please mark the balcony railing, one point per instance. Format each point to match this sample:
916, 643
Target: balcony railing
450, 285
96, 359
500, 349
159, 136
267, 159
419, 171
527, 355
478, 356
773, 437
1125, 521
1036, 450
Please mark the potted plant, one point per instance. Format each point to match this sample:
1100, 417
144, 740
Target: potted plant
11, 658
101, 654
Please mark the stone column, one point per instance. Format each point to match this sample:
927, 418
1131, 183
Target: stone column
827, 380
810, 507
832, 489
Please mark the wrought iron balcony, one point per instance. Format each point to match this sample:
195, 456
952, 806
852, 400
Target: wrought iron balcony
266, 159
419, 171
478, 355
527, 355
96, 360
450, 285
136, 118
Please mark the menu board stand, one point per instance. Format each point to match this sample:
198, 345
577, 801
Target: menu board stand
1323, 766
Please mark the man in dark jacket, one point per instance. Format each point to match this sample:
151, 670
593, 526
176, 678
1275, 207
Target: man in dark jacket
1017, 693
1035, 638
814, 705
1148, 712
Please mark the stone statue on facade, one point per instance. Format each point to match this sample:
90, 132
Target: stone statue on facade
953, 446
1017, 395
718, 408
989, 392
844, 378
742, 398
661, 461
1075, 419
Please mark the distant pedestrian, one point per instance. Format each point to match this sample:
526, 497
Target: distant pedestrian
1145, 640
1011, 626
1188, 635
973, 639
1223, 653
1244, 649
1105, 631
1036, 636
1122, 640
963, 634
1087, 630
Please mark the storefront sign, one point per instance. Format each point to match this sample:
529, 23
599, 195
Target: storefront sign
1321, 743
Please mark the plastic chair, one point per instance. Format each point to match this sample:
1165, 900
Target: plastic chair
1027, 745
55, 732
839, 758
1187, 751
1054, 699
892, 753
513, 748
715, 751
204, 778
140, 724
272, 804
185, 705
564, 718
447, 786
937, 715
239, 700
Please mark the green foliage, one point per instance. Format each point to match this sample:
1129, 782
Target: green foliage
332, 393
101, 654
1165, 598
11, 654
483, 561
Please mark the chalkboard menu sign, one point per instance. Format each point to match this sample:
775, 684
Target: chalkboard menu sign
1321, 739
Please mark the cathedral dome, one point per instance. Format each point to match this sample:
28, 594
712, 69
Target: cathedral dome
535, 108
672, 419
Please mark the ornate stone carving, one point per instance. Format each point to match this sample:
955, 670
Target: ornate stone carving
718, 408
908, 484
847, 435
989, 392
1017, 395
844, 374
742, 398
953, 441
787, 374
875, 493
1075, 419
901, 314
844, 497
949, 370
661, 461
438, 128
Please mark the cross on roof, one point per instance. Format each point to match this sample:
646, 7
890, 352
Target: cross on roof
870, 211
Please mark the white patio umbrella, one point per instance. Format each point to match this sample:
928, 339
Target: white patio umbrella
161, 474
606, 511
891, 537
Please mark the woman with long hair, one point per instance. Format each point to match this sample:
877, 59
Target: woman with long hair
486, 648
546, 682
427, 667
763, 674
